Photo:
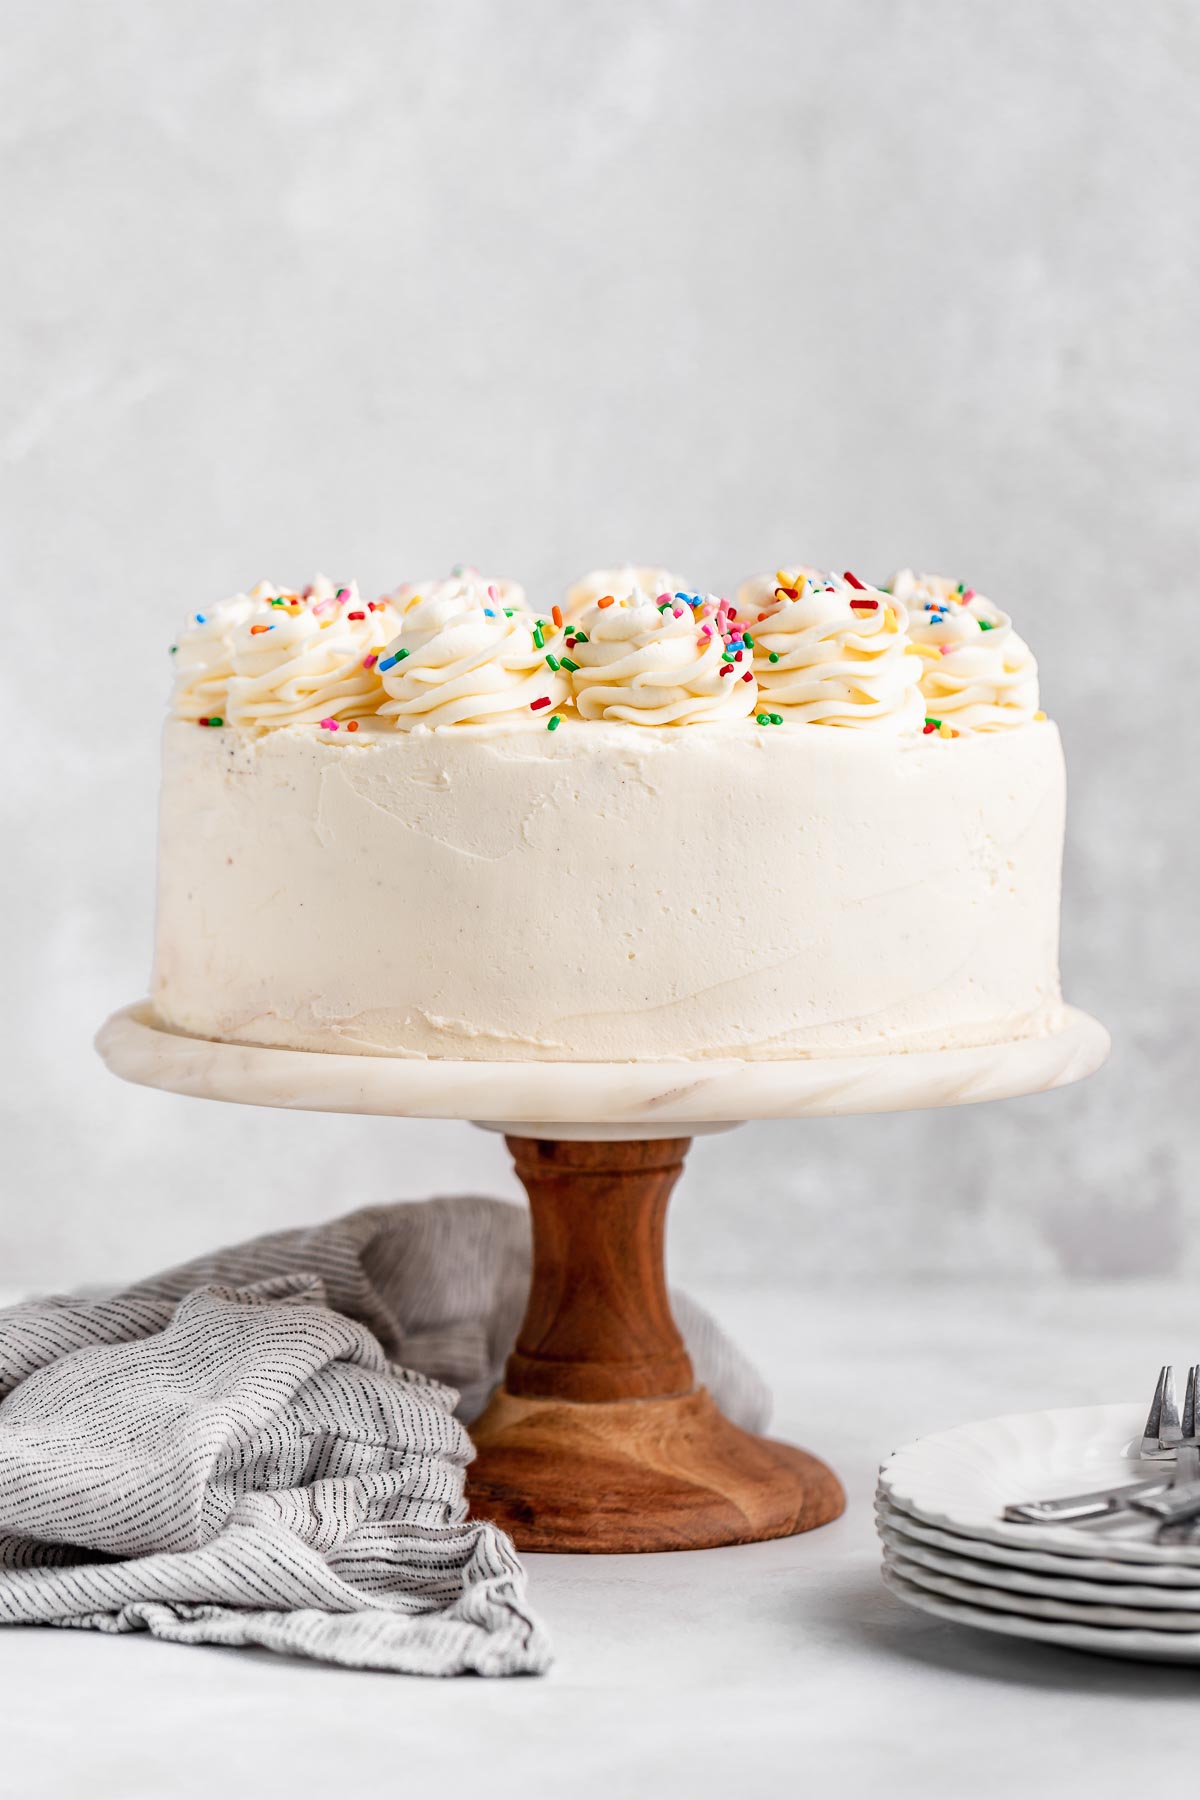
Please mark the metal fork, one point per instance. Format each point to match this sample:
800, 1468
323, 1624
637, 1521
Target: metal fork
1162, 1436
1179, 1504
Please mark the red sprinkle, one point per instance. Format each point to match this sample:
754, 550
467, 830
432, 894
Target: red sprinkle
352, 725
865, 605
356, 615
536, 705
926, 729
853, 580
749, 675
726, 669
371, 604
556, 615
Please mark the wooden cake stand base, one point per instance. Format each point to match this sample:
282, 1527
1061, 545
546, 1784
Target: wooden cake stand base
600, 1439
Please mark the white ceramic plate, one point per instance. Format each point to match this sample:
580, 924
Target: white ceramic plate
1100, 1640
1034, 1562
960, 1481
1021, 1584
1035, 1606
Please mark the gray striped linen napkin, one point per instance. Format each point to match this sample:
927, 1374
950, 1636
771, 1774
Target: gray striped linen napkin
265, 1446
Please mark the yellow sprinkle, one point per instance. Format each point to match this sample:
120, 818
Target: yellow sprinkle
1039, 715
783, 578
944, 730
890, 621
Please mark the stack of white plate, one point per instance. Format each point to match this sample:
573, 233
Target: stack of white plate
1106, 1587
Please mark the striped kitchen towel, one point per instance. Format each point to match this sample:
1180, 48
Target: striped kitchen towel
262, 1447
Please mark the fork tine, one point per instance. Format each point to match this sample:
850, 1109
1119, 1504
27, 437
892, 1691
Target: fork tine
1189, 1405
1169, 1432
1154, 1420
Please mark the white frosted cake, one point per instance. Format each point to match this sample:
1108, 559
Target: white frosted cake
646, 824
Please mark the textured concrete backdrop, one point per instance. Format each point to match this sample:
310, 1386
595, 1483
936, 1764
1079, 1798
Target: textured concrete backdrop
377, 287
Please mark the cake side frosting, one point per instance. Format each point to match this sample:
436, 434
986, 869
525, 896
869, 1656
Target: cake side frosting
607, 892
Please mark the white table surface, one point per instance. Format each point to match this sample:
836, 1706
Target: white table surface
738, 1673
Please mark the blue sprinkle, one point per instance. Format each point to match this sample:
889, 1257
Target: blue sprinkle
388, 662
488, 613
200, 619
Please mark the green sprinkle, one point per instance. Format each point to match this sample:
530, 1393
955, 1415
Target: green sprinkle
726, 656
552, 662
581, 637
554, 723
985, 625
568, 664
400, 655
538, 639
773, 656
748, 640
216, 721
508, 612
776, 718
763, 719
174, 648
936, 723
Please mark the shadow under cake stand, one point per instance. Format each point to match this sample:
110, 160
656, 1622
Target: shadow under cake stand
599, 1438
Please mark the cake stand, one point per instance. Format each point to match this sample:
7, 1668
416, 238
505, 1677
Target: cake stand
599, 1438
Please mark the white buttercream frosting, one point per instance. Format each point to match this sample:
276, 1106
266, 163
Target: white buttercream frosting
462, 657
465, 581
977, 674
661, 662
203, 655
829, 651
277, 656
759, 592
622, 583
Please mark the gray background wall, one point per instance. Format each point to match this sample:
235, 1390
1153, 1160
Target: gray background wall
374, 288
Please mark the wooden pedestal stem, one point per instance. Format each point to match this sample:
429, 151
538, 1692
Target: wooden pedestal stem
598, 1324
599, 1439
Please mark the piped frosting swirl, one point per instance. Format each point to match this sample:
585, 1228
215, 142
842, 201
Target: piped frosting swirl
276, 657
977, 674
834, 651
203, 654
461, 657
677, 660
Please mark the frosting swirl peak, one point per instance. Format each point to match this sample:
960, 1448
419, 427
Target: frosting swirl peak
622, 584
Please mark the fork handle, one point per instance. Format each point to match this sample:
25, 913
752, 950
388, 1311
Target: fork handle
1074, 1509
